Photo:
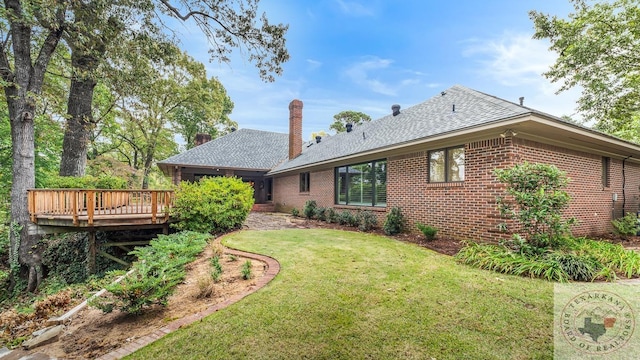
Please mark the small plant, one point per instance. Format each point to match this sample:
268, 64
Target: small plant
428, 231
246, 270
233, 258
217, 250
395, 222
295, 212
366, 220
578, 267
320, 213
309, 209
216, 272
627, 225
205, 287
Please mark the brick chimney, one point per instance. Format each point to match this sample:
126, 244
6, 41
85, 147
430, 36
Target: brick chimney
202, 138
295, 129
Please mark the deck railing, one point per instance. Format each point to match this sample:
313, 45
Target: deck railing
88, 204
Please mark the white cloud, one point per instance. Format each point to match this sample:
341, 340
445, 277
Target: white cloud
353, 8
517, 61
313, 64
359, 74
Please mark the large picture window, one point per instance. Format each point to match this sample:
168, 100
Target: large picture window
362, 184
446, 165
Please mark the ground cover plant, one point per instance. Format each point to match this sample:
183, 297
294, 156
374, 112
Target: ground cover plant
157, 272
343, 295
542, 245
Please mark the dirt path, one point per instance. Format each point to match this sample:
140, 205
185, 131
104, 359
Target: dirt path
92, 334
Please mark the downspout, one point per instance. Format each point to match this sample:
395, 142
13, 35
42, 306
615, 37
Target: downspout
624, 180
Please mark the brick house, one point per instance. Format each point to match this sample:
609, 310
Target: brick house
435, 160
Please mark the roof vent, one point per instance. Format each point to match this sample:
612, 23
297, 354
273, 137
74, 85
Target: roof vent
233, 128
396, 109
521, 100
453, 108
349, 127
443, 93
318, 139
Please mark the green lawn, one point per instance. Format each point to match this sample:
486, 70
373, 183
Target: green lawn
344, 295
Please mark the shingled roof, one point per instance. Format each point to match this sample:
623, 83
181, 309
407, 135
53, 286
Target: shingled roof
433, 117
241, 149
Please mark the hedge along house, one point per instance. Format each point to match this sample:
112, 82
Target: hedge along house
435, 161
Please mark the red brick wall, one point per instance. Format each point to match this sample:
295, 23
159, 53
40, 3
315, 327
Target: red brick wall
460, 210
287, 195
468, 210
591, 204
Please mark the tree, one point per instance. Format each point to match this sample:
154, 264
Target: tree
97, 24
343, 118
598, 49
26, 51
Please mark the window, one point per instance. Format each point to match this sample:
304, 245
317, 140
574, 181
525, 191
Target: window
304, 182
446, 165
362, 184
606, 165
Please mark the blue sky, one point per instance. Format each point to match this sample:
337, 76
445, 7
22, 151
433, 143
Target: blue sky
367, 55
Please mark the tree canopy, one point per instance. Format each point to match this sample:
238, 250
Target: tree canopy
598, 49
343, 118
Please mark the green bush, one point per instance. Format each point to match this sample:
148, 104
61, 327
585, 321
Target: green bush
331, 216
428, 231
395, 222
627, 225
83, 182
295, 212
212, 205
309, 209
535, 199
160, 268
367, 220
347, 218
320, 213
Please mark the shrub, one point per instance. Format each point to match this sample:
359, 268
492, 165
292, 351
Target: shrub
246, 270
159, 269
367, 220
331, 216
212, 205
295, 212
83, 182
309, 209
395, 222
535, 199
320, 213
428, 231
627, 225
347, 218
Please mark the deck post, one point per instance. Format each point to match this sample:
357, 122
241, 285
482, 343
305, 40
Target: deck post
91, 206
91, 253
154, 206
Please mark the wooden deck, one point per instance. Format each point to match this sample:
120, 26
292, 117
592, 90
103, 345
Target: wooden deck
82, 209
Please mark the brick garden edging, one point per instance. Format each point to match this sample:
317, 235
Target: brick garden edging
273, 268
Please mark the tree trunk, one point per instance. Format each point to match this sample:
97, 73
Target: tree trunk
80, 117
21, 87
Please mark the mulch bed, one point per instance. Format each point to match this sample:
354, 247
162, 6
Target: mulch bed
443, 245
